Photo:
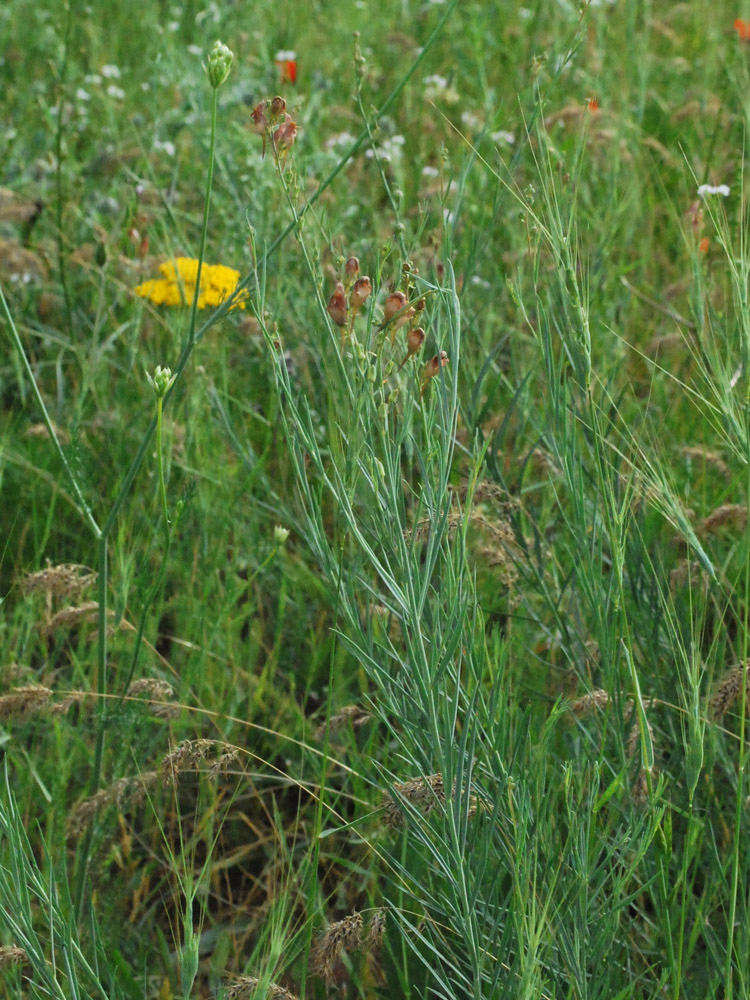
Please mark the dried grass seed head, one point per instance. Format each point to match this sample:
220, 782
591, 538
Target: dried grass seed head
64, 580
344, 935
189, 755
128, 791
11, 955
244, 988
352, 715
734, 515
728, 690
423, 794
24, 701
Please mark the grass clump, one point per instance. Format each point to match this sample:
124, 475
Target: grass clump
375, 437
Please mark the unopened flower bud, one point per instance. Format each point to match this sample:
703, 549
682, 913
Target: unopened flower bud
360, 292
351, 269
337, 305
218, 64
161, 381
280, 535
414, 340
393, 304
278, 107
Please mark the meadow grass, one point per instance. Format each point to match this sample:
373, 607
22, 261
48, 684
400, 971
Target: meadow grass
374, 627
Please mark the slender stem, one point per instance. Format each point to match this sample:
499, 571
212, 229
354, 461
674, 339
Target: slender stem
62, 266
160, 464
108, 524
151, 596
84, 507
742, 764
206, 207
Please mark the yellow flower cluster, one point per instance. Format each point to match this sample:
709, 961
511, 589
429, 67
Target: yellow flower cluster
177, 287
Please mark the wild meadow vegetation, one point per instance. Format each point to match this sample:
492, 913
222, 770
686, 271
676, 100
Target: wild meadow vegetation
375, 462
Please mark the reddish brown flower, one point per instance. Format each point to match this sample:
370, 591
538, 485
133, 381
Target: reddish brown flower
337, 305
434, 365
432, 368
283, 138
743, 29
260, 122
414, 341
360, 293
396, 312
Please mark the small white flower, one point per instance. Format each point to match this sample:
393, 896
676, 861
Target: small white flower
430, 172
436, 81
92, 79
480, 282
471, 120
285, 55
342, 139
145, 86
165, 147
705, 189
111, 72
173, 26
525, 14
83, 95
195, 50
117, 92
503, 136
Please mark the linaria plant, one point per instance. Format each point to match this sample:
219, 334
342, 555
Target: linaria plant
375, 439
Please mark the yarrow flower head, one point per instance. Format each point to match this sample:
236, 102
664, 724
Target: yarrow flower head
705, 189
177, 286
218, 64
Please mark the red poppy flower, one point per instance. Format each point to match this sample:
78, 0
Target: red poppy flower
743, 29
286, 64
592, 104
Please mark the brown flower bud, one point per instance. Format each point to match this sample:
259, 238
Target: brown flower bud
434, 365
414, 341
283, 138
360, 292
396, 313
393, 304
260, 123
337, 305
351, 269
278, 107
